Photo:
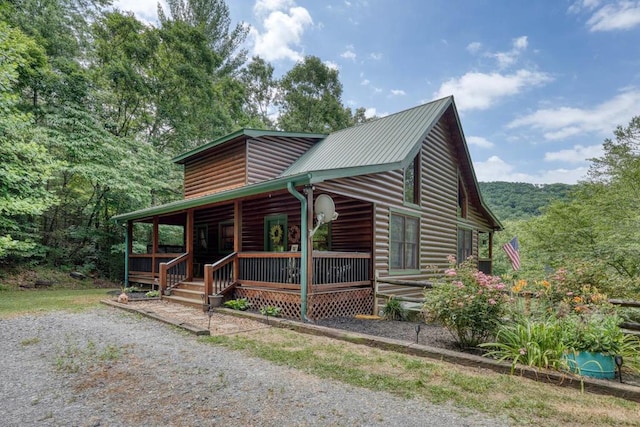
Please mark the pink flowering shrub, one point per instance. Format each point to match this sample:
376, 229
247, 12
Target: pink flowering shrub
467, 302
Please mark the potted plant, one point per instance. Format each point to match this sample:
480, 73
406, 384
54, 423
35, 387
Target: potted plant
592, 341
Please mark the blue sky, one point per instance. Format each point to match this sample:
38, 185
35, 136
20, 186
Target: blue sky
538, 84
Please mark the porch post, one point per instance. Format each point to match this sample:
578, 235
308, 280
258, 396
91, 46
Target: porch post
189, 242
304, 264
128, 246
154, 244
237, 236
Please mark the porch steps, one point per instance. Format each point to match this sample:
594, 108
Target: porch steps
187, 293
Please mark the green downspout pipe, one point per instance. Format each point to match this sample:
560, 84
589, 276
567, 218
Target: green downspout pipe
304, 249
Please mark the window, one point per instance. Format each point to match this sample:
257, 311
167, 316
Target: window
465, 244
404, 242
462, 200
225, 236
412, 182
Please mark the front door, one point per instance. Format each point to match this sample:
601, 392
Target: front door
275, 233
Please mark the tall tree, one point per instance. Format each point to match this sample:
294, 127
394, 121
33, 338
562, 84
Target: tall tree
196, 92
601, 224
310, 98
260, 88
25, 166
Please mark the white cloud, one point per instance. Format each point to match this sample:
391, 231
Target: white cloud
265, 6
365, 82
331, 65
474, 47
376, 56
282, 29
370, 112
505, 59
479, 141
496, 169
577, 154
617, 15
563, 122
349, 53
397, 92
144, 10
479, 91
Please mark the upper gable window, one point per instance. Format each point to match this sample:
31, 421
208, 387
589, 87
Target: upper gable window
412, 181
462, 200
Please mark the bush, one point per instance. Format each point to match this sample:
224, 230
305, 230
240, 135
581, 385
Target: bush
237, 304
467, 302
393, 309
530, 342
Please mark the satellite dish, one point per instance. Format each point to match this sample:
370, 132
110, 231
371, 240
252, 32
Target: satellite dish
325, 211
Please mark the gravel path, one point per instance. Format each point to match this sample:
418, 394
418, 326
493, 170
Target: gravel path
111, 368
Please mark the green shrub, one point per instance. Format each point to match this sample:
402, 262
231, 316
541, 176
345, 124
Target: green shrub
530, 342
469, 303
393, 309
271, 311
237, 304
152, 294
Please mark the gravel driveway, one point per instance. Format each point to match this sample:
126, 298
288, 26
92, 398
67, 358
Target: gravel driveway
110, 368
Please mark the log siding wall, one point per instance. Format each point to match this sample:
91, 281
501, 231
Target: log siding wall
269, 157
222, 168
439, 165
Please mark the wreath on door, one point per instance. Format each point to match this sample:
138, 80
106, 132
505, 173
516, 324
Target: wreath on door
294, 234
275, 234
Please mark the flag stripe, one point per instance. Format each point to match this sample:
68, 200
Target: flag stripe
512, 249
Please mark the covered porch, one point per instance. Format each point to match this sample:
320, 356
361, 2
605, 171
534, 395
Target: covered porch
255, 248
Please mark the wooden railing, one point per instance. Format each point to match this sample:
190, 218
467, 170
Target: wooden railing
220, 275
146, 267
339, 269
282, 269
173, 272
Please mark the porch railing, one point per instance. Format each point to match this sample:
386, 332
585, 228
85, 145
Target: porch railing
146, 267
173, 272
282, 269
219, 276
338, 269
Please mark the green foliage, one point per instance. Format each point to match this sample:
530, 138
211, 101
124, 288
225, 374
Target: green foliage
271, 311
529, 342
599, 225
25, 167
519, 200
469, 303
393, 309
237, 304
152, 294
597, 333
311, 98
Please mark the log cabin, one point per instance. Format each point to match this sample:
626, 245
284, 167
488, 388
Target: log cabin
403, 187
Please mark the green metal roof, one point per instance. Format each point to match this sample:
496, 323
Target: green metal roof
182, 205
252, 133
387, 143
380, 145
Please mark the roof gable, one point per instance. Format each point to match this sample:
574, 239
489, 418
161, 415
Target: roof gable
382, 144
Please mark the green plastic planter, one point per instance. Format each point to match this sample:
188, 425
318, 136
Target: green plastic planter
595, 365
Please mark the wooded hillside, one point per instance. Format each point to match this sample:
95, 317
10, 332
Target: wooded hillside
519, 200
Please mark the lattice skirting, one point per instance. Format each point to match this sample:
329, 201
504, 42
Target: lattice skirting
339, 303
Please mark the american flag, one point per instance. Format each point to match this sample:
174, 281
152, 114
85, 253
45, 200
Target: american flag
512, 248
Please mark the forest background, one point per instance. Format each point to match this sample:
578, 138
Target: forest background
94, 104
